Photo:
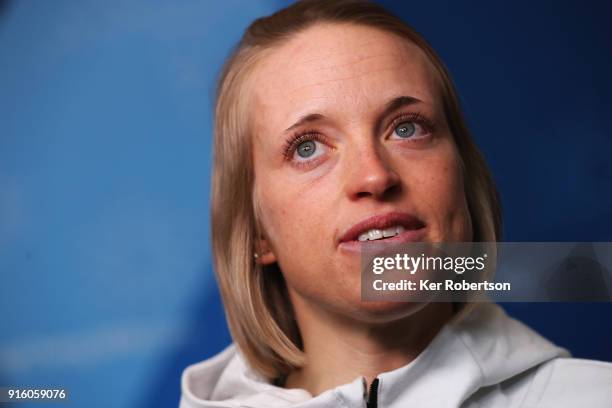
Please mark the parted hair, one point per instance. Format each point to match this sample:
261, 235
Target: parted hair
258, 310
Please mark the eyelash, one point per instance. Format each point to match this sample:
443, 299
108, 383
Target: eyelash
416, 117
294, 140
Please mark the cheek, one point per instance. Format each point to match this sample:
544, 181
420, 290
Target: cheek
291, 216
298, 233
440, 194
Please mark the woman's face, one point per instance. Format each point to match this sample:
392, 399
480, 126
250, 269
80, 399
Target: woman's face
349, 138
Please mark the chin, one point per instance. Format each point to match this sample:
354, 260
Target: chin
385, 312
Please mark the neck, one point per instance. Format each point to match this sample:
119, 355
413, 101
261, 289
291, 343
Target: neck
339, 349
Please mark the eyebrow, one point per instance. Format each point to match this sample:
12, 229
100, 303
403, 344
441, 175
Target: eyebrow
391, 106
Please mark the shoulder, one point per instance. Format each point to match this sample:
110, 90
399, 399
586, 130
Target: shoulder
199, 379
226, 380
569, 382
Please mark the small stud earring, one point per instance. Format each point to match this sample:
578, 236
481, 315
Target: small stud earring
255, 255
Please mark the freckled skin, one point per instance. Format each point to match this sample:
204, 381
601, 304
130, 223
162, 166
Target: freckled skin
348, 73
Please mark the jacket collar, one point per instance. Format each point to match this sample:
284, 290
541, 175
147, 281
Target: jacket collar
476, 350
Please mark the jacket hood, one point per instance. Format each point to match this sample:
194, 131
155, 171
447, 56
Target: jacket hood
485, 347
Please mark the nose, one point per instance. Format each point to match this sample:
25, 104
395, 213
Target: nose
371, 174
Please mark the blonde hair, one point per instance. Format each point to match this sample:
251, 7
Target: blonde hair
258, 310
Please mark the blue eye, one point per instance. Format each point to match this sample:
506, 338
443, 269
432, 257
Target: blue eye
405, 130
306, 149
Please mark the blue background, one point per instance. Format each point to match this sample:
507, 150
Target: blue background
105, 147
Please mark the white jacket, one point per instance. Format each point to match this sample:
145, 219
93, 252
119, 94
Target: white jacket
486, 359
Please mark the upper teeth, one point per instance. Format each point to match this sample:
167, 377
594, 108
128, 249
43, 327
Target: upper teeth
375, 234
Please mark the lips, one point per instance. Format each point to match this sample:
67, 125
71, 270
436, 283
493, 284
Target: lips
414, 230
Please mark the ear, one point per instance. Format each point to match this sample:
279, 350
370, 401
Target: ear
265, 255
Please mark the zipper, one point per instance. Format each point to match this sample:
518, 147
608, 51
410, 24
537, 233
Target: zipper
372, 399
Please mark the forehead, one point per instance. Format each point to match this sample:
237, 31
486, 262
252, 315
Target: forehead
339, 68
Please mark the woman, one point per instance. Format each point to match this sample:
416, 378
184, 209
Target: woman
336, 124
